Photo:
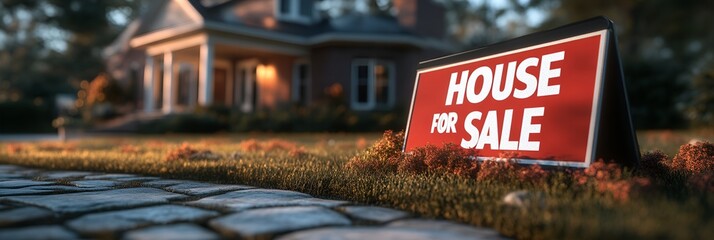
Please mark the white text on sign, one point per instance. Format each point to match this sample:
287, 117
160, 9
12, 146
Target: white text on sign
492, 83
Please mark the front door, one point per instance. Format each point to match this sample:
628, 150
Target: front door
219, 86
246, 87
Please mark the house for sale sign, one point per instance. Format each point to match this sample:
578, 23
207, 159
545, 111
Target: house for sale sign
538, 97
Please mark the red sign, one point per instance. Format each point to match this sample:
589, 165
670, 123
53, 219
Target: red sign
541, 102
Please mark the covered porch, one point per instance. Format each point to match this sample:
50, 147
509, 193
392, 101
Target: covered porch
206, 70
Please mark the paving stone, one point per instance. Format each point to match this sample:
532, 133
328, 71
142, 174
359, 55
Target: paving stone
447, 226
28, 172
266, 222
94, 183
23, 214
110, 176
91, 201
163, 183
22, 191
127, 219
374, 214
65, 188
55, 175
10, 176
172, 232
257, 198
38, 233
10, 168
22, 183
203, 189
137, 179
360, 233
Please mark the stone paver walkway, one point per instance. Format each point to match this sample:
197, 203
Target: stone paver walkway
47, 204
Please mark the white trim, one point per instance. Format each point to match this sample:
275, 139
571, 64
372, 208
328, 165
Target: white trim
294, 12
163, 34
177, 44
149, 84
570, 39
256, 32
205, 73
190, 10
256, 44
371, 103
169, 83
246, 86
296, 81
597, 96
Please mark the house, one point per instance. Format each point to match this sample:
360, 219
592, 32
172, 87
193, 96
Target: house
263, 54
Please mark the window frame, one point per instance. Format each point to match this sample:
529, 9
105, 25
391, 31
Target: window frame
293, 14
371, 103
296, 82
192, 81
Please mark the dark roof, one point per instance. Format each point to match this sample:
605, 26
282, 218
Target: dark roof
352, 23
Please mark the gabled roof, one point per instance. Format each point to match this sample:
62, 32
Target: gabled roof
188, 16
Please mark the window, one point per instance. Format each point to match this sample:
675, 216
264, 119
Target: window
187, 85
301, 83
246, 85
302, 11
372, 84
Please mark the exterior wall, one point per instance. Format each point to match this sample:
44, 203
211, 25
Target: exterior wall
251, 12
334, 65
329, 64
424, 17
274, 82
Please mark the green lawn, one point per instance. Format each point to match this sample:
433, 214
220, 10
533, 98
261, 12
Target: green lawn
316, 164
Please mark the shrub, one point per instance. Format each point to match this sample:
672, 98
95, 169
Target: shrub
496, 170
654, 164
25, 117
186, 152
383, 156
183, 123
608, 178
14, 148
533, 174
252, 145
696, 162
696, 158
450, 158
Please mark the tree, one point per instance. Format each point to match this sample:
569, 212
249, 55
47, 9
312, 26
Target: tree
49, 46
662, 44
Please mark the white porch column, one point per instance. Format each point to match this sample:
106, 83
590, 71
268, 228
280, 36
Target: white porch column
149, 84
205, 74
168, 82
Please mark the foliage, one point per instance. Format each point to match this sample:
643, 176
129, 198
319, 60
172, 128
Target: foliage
319, 117
25, 116
661, 52
96, 99
701, 111
48, 47
183, 123
566, 209
186, 152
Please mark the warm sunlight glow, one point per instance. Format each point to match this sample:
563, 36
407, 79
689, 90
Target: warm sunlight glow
268, 82
266, 73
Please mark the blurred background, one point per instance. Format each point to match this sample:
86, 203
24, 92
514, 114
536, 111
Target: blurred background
59, 67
